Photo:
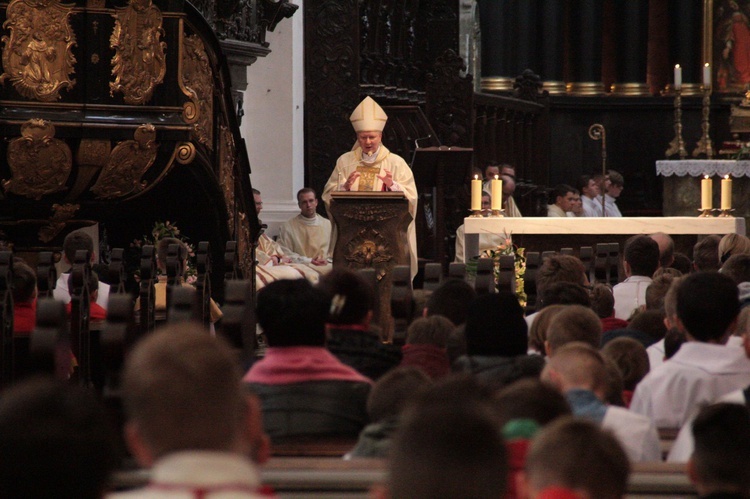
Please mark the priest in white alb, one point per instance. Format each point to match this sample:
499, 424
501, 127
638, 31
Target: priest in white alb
370, 166
308, 235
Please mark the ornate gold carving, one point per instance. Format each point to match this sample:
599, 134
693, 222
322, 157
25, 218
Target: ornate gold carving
373, 213
138, 64
185, 153
62, 213
94, 58
38, 57
368, 249
244, 246
93, 152
226, 172
197, 85
39, 163
127, 164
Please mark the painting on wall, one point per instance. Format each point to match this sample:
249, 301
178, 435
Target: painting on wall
726, 44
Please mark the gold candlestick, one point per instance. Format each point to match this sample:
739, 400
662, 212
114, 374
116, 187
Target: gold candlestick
476, 214
677, 146
726, 213
704, 145
497, 214
705, 212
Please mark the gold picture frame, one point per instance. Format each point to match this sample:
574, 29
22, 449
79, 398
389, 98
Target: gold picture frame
726, 44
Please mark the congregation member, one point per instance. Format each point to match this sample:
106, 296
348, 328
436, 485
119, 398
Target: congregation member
603, 305
24, 298
370, 166
487, 240
308, 235
706, 254
666, 248
350, 334
448, 445
574, 458
273, 260
426, 345
497, 341
703, 369
451, 300
55, 442
564, 197
614, 186
191, 453
305, 390
592, 206
388, 399
540, 328
719, 467
574, 323
579, 371
556, 269
75, 241
657, 351
630, 357
737, 267
733, 244
640, 261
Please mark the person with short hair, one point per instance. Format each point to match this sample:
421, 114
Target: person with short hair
55, 442
579, 371
589, 195
576, 456
733, 244
613, 191
666, 248
388, 399
631, 358
451, 300
737, 267
448, 447
704, 368
73, 242
640, 261
706, 254
603, 305
305, 389
556, 269
573, 323
563, 195
308, 234
540, 328
426, 343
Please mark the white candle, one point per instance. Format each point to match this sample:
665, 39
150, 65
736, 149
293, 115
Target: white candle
706, 193
726, 193
476, 194
497, 193
707, 75
677, 77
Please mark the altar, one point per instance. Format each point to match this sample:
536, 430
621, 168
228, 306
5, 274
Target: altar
550, 234
681, 195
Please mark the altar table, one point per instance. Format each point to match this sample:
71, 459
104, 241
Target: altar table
582, 226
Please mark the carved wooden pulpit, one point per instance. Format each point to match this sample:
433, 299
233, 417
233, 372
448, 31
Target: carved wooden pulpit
372, 234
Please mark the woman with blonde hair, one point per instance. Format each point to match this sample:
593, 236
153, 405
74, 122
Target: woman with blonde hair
733, 244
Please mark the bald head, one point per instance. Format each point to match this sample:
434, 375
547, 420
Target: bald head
666, 248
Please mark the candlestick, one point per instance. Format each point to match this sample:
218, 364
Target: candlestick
677, 77
476, 195
726, 193
707, 75
497, 193
677, 145
706, 193
704, 145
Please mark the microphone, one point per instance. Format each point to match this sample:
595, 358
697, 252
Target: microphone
416, 141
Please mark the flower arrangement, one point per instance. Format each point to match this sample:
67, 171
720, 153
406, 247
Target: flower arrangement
168, 229
508, 248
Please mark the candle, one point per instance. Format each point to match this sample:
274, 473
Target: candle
726, 193
706, 193
677, 77
497, 193
476, 194
707, 76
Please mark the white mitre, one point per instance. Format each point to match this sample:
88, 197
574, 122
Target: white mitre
368, 117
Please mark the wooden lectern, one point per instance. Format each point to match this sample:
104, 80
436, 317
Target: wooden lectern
372, 230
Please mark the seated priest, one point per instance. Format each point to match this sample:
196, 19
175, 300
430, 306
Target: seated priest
508, 176
308, 235
370, 166
486, 240
274, 262
564, 196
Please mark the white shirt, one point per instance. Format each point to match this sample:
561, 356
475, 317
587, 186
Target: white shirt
610, 206
683, 445
221, 475
555, 211
655, 355
636, 433
592, 207
61, 291
629, 295
697, 374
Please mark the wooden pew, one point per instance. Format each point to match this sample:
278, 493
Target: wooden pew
80, 339
146, 292
485, 280
402, 303
46, 274
433, 274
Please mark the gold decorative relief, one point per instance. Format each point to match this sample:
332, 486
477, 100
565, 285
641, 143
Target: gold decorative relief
185, 153
127, 163
245, 246
368, 249
94, 152
62, 213
39, 163
138, 64
37, 57
197, 85
226, 172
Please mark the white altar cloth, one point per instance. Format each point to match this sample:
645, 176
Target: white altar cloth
604, 226
701, 167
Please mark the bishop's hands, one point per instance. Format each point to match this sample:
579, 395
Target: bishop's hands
350, 180
386, 178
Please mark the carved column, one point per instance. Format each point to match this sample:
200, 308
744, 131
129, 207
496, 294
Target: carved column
551, 50
685, 39
632, 48
586, 48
